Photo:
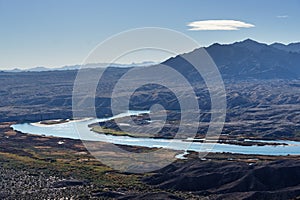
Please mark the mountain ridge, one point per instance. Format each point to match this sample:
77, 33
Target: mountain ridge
78, 66
292, 47
247, 59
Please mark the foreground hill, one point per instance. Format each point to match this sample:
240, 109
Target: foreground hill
231, 180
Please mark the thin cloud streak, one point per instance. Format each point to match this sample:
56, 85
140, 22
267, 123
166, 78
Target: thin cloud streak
282, 16
218, 25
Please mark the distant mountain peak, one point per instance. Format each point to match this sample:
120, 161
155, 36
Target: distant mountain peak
277, 43
250, 44
248, 40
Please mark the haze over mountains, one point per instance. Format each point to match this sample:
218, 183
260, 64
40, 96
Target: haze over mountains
76, 67
247, 59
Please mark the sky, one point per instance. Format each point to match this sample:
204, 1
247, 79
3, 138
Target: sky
56, 33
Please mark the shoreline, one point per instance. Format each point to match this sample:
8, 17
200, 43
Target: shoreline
238, 142
245, 142
6, 125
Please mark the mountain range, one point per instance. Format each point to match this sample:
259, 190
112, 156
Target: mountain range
76, 67
246, 59
249, 59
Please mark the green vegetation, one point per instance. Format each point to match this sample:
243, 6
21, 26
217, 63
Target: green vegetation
71, 159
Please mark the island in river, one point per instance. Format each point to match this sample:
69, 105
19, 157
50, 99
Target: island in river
111, 127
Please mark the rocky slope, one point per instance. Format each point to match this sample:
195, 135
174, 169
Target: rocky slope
232, 180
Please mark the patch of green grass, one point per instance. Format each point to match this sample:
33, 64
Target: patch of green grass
69, 166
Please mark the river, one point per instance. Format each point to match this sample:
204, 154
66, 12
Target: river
72, 129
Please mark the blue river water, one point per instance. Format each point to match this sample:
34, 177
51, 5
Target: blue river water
78, 129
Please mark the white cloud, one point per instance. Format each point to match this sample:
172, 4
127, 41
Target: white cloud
282, 16
226, 25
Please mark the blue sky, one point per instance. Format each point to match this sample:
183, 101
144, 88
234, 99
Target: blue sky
55, 33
